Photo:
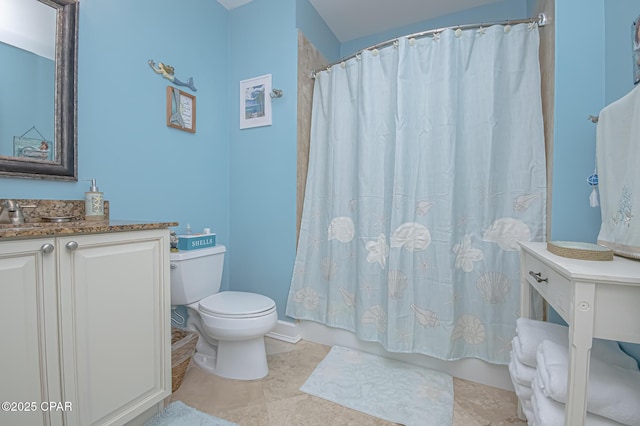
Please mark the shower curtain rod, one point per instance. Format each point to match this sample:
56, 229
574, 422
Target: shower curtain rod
541, 20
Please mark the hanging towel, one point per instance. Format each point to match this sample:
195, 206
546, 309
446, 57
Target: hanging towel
617, 152
613, 391
531, 333
548, 412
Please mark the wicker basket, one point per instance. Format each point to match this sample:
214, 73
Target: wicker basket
183, 346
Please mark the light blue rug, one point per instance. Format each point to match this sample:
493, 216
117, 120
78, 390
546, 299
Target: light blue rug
388, 389
179, 414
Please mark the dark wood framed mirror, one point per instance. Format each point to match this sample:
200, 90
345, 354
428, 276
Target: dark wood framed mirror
61, 131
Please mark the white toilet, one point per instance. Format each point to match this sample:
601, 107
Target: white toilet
231, 324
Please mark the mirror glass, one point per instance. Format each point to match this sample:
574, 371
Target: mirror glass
38, 50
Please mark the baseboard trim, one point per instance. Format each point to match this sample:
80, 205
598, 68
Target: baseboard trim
285, 331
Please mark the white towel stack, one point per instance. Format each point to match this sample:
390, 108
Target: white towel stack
522, 368
548, 412
613, 392
539, 375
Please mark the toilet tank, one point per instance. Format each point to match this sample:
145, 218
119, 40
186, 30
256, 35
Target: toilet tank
196, 274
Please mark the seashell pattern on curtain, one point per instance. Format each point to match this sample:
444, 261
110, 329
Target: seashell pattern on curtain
426, 169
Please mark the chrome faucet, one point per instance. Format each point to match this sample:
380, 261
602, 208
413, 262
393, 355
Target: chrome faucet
11, 213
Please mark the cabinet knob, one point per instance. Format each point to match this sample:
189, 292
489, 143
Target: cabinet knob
71, 245
46, 248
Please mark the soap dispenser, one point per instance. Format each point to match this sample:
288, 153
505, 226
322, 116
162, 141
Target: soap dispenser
93, 203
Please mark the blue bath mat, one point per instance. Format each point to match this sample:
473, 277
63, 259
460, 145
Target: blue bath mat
388, 389
179, 414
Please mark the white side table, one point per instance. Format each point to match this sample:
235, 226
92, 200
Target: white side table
598, 299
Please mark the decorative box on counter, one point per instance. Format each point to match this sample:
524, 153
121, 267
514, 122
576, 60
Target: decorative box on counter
196, 241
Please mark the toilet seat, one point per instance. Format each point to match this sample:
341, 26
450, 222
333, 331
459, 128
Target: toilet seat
236, 304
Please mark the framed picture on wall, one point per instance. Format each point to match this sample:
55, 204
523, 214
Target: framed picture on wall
35, 149
636, 50
181, 110
255, 102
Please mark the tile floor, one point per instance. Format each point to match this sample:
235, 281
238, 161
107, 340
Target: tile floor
277, 401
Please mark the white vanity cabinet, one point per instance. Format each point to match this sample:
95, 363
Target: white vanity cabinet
87, 324
30, 354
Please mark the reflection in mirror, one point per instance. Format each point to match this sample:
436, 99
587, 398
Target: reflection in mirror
28, 45
38, 50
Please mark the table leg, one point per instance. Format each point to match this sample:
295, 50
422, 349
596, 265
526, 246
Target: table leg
525, 312
580, 340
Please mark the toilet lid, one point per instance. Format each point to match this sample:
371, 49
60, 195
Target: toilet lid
237, 304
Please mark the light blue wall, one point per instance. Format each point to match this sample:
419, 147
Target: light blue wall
579, 92
619, 16
262, 160
146, 169
25, 89
593, 68
499, 11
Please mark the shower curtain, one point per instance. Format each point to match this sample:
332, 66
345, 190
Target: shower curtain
426, 168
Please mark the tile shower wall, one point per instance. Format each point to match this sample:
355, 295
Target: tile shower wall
309, 60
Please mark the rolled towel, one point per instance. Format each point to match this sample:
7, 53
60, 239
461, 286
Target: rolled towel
523, 373
522, 390
527, 409
531, 333
524, 394
548, 412
613, 391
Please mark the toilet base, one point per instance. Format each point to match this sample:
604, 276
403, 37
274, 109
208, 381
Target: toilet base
242, 359
239, 360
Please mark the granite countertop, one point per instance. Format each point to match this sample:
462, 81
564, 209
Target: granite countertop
35, 212
29, 230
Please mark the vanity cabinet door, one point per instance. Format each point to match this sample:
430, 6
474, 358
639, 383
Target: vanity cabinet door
30, 355
115, 319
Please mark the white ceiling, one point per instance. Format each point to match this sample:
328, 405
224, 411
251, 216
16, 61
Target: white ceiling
352, 19
232, 4
30, 26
